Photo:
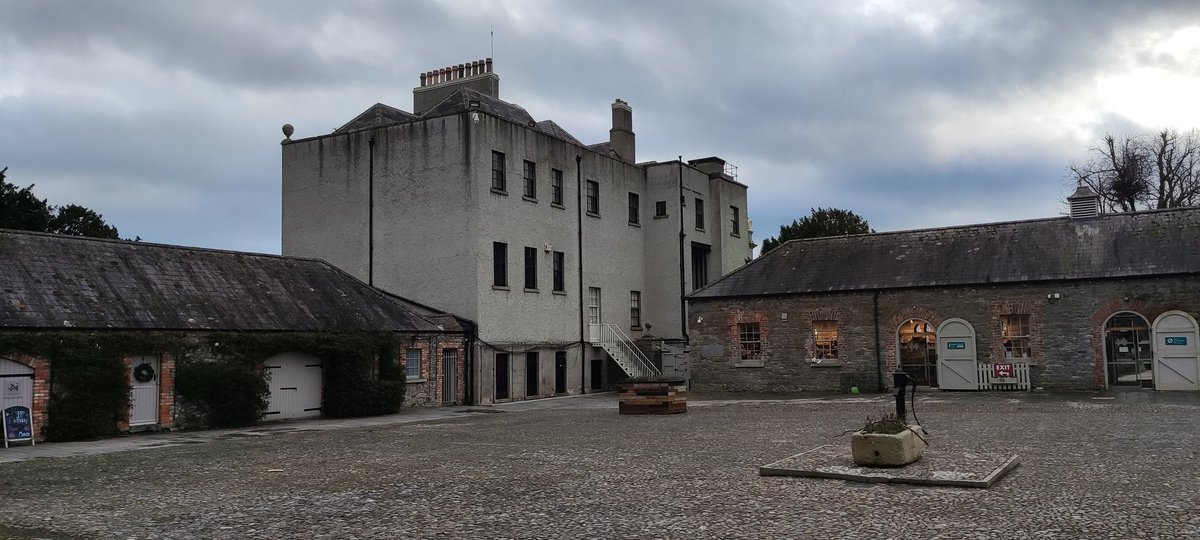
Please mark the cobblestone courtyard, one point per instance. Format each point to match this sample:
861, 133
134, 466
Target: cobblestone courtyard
1091, 468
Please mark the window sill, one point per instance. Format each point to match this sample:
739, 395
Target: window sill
500, 288
664, 216
558, 206
415, 380
528, 290
825, 362
559, 293
635, 328
499, 192
593, 214
735, 235
632, 224
528, 198
749, 364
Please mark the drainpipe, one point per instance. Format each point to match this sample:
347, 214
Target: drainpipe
371, 212
878, 355
683, 323
579, 250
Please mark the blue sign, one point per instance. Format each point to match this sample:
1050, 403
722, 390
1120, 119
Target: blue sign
1176, 340
956, 345
18, 424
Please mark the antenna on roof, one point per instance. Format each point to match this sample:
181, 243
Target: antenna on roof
492, 41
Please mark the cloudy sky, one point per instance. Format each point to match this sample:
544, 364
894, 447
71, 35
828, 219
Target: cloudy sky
165, 116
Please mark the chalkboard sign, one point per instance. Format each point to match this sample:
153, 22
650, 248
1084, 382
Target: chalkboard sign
18, 425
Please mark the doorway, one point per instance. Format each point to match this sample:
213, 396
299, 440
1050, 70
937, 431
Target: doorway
449, 376
594, 314
597, 374
560, 372
532, 375
917, 351
1129, 360
143, 394
957, 364
501, 376
1176, 353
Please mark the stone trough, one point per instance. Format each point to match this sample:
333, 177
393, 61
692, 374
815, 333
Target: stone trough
935, 468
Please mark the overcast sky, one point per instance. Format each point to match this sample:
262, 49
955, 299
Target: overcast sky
165, 116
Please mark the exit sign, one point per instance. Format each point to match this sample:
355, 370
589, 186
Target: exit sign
1176, 340
1003, 371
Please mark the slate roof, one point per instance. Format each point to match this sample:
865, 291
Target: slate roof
1157, 242
54, 281
375, 116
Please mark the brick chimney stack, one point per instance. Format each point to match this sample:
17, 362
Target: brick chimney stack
439, 83
621, 135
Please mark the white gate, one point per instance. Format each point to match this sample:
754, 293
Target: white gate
957, 363
295, 382
16, 385
1176, 363
143, 378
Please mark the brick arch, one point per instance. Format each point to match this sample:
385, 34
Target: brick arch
1096, 322
41, 388
890, 329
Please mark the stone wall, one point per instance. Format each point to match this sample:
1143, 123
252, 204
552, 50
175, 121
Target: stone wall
1067, 336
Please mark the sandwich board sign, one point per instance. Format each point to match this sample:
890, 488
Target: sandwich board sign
18, 425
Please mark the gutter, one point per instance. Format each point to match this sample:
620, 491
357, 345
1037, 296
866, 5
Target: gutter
371, 212
683, 324
579, 250
878, 354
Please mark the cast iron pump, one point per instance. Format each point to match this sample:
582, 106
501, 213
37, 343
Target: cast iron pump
900, 381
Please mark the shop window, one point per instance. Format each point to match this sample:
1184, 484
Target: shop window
825, 339
750, 339
1014, 331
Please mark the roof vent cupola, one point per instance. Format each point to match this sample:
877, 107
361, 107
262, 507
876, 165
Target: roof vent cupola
1084, 203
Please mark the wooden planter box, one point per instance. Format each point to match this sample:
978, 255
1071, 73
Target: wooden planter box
667, 397
883, 450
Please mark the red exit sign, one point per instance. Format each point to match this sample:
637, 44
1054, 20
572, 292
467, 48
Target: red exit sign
1003, 371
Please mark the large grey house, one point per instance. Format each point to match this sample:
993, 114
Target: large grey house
572, 258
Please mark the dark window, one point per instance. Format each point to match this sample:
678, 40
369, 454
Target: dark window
750, 340
699, 265
660, 209
530, 268
412, 358
501, 376
499, 264
498, 171
530, 180
699, 214
556, 191
560, 372
532, 374
559, 272
635, 309
593, 197
735, 221
634, 205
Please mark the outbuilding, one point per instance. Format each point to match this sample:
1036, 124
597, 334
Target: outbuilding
1081, 302
140, 305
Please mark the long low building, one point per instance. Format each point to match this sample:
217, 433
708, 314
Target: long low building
147, 302
1083, 302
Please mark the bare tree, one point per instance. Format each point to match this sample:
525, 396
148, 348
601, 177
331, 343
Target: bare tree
1141, 172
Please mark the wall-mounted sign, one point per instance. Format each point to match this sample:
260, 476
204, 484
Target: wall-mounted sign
1176, 340
1003, 371
12, 387
956, 345
18, 424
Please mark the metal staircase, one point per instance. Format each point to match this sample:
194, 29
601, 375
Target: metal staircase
624, 352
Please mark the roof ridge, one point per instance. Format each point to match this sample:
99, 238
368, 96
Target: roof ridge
140, 243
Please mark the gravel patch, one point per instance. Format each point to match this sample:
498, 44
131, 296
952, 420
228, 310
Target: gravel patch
1105, 470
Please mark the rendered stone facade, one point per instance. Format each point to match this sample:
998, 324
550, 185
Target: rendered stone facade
421, 204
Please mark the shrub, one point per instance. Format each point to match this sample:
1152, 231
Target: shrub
89, 395
225, 392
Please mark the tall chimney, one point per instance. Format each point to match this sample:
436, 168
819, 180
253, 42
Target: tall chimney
439, 83
621, 135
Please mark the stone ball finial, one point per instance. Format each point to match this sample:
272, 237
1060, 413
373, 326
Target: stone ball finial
288, 130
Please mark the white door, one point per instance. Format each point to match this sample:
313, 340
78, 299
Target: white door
143, 377
594, 314
16, 385
957, 363
295, 383
1176, 366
